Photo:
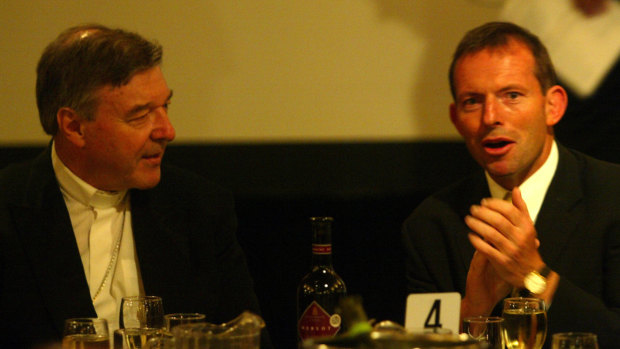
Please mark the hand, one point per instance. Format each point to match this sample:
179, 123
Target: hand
591, 7
505, 235
483, 288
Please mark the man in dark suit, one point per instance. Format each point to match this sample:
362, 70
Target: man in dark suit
96, 216
538, 218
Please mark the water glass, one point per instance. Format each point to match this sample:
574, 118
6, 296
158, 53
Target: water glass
172, 320
525, 323
86, 333
141, 312
487, 329
574, 340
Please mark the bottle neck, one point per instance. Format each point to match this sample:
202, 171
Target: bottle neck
322, 241
322, 255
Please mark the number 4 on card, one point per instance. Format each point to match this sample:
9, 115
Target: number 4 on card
432, 311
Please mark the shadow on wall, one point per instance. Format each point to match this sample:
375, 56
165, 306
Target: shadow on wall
441, 24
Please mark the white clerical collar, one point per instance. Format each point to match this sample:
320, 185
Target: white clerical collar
81, 191
534, 189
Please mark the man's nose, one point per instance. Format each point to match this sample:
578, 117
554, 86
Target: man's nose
163, 129
490, 115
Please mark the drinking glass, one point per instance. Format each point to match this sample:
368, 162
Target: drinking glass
86, 333
574, 340
487, 329
141, 312
136, 338
525, 323
175, 319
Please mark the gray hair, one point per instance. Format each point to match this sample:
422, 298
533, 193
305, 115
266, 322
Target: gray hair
83, 59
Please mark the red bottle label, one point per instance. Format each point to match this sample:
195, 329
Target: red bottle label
316, 322
321, 248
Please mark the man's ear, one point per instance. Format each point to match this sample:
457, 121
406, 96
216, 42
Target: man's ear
454, 116
70, 125
555, 105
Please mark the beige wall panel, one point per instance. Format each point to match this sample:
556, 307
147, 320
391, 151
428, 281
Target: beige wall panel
265, 70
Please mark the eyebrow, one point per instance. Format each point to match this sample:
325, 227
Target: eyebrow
512, 87
466, 95
136, 109
506, 88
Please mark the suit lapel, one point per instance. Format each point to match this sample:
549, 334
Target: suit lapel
473, 192
44, 227
560, 213
162, 251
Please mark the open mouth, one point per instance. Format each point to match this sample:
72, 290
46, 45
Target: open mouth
496, 144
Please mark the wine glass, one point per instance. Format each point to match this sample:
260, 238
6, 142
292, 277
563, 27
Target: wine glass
175, 319
86, 333
142, 312
574, 340
487, 329
525, 323
138, 338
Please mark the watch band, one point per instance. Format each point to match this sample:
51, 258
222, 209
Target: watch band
544, 271
535, 282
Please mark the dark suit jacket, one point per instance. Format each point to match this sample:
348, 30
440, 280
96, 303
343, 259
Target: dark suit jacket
184, 231
579, 231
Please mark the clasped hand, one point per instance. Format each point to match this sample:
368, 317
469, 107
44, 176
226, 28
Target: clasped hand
506, 244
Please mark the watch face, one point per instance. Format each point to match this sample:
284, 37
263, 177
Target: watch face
535, 283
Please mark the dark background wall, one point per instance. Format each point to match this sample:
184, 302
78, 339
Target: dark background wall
369, 189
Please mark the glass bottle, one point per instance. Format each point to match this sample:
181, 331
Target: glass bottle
320, 290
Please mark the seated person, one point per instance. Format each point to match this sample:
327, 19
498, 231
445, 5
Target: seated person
97, 216
536, 209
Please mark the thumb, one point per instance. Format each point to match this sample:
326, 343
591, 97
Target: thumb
518, 201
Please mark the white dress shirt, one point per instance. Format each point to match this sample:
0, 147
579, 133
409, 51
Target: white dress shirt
101, 220
534, 189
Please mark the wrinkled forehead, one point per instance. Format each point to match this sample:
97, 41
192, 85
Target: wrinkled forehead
494, 70
513, 46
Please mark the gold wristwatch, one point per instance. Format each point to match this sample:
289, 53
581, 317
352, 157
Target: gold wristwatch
536, 280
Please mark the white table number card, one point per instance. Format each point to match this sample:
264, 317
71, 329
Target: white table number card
433, 311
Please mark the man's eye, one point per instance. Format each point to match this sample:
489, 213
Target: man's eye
138, 117
513, 95
469, 103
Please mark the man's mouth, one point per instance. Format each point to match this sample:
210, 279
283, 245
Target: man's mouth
498, 146
153, 159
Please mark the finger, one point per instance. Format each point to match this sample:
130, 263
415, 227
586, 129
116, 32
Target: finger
506, 267
478, 261
518, 202
485, 249
489, 234
480, 227
503, 207
517, 216
479, 244
495, 221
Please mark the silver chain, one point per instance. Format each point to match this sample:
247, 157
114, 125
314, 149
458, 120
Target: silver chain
113, 259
